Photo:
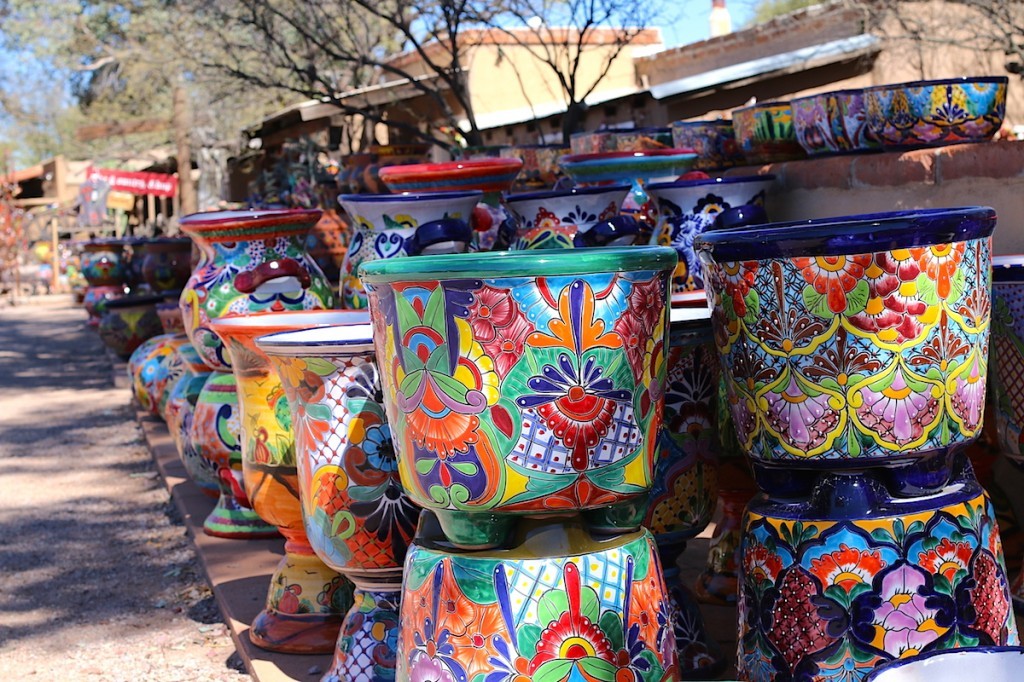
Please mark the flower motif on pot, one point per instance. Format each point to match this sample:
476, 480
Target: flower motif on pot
904, 623
836, 282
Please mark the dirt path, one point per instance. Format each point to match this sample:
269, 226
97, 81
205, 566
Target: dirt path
98, 580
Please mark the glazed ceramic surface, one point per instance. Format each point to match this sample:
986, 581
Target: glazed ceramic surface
1008, 353
617, 167
385, 226
540, 166
181, 402
554, 220
714, 142
95, 297
251, 262
150, 369
981, 663
169, 313
129, 321
592, 611
931, 113
765, 133
103, 263
643, 139
829, 593
485, 175
523, 383
837, 354
167, 263
833, 123
687, 208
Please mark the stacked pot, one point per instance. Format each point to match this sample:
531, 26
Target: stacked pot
855, 353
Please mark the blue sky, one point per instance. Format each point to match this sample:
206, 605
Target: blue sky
690, 22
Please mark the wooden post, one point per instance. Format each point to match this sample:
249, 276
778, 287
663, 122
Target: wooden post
54, 255
151, 209
182, 121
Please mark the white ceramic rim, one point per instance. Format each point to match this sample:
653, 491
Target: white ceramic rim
692, 314
349, 339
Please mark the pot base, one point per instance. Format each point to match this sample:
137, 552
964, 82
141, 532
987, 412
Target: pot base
228, 519
367, 646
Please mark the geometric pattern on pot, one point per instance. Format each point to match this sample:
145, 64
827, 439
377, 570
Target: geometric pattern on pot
383, 227
832, 351
250, 262
687, 208
1008, 352
830, 600
551, 220
515, 382
833, 123
602, 615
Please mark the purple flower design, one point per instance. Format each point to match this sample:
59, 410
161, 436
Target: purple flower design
427, 669
904, 623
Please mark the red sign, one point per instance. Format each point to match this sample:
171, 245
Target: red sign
157, 184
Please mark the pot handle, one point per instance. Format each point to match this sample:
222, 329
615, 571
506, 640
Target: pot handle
250, 280
618, 229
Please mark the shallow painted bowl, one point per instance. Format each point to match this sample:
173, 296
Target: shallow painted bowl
935, 113
607, 167
487, 175
833, 123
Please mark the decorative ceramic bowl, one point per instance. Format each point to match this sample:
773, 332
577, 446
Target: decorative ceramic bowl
934, 113
167, 263
564, 219
618, 167
643, 139
103, 262
765, 133
178, 414
558, 605
387, 226
540, 166
833, 123
1003, 663
96, 297
169, 313
148, 369
854, 341
687, 208
714, 142
485, 175
129, 321
856, 576
522, 382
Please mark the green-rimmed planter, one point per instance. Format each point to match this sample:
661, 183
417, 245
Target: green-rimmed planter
524, 383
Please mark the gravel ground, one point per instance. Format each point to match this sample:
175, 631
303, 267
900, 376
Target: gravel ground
98, 580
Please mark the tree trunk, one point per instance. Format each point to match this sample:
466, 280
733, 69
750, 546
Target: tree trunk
573, 121
182, 122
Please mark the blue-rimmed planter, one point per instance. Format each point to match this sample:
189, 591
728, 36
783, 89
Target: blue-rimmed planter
856, 576
854, 341
714, 142
833, 123
936, 112
687, 208
976, 663
565, 219
389, 225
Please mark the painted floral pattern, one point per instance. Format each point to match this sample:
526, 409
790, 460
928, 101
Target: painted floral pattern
830, 600
860, 356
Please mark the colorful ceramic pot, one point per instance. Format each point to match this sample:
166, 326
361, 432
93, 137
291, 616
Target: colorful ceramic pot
856, 576
523, 384
540, 169
95, 298
492, 176
129, 321
643, 139
685, 490
571, 218
854, 341
167, 263
327, 242
934, 113
688, 208
358, 519
714, 142
169, 313
976, 663
149, 369
179, 412
215, 434
271, 481
250, 262
387, 226
103, 263
559, 604
833, 123
766, 134
133, 253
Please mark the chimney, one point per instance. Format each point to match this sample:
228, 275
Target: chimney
721, 22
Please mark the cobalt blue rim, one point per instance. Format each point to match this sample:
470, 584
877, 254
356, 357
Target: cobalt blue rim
963, 80
574, 192
1007, 269
694, 124
845, 235
873, 675
764, 105
407, 197
846, 92
731, 180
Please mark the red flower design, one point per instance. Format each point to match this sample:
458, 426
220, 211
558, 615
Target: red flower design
455, 612
940, 263
634, 332
646, 302
508, 344
761, 564
894, 311
739, 277
847, 567
946, 558
492, 309
572, 636
834, 276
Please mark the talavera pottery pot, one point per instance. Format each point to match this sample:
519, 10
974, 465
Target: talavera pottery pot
169, 313
216, 430
387, 226
148, 369
938, 112
523, 382
688, 208
358, 519
492, 176
714, 142
103, 263
540, 169
833, 123
558, 604
271, 480
133, 252
178, 414
854, 341
994, 663
250, 262
855, 576
129, 321
643, 139
766, 134
167, 263
572, 218
96, 297
685, 490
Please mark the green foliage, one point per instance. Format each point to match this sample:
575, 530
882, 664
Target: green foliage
767, 10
